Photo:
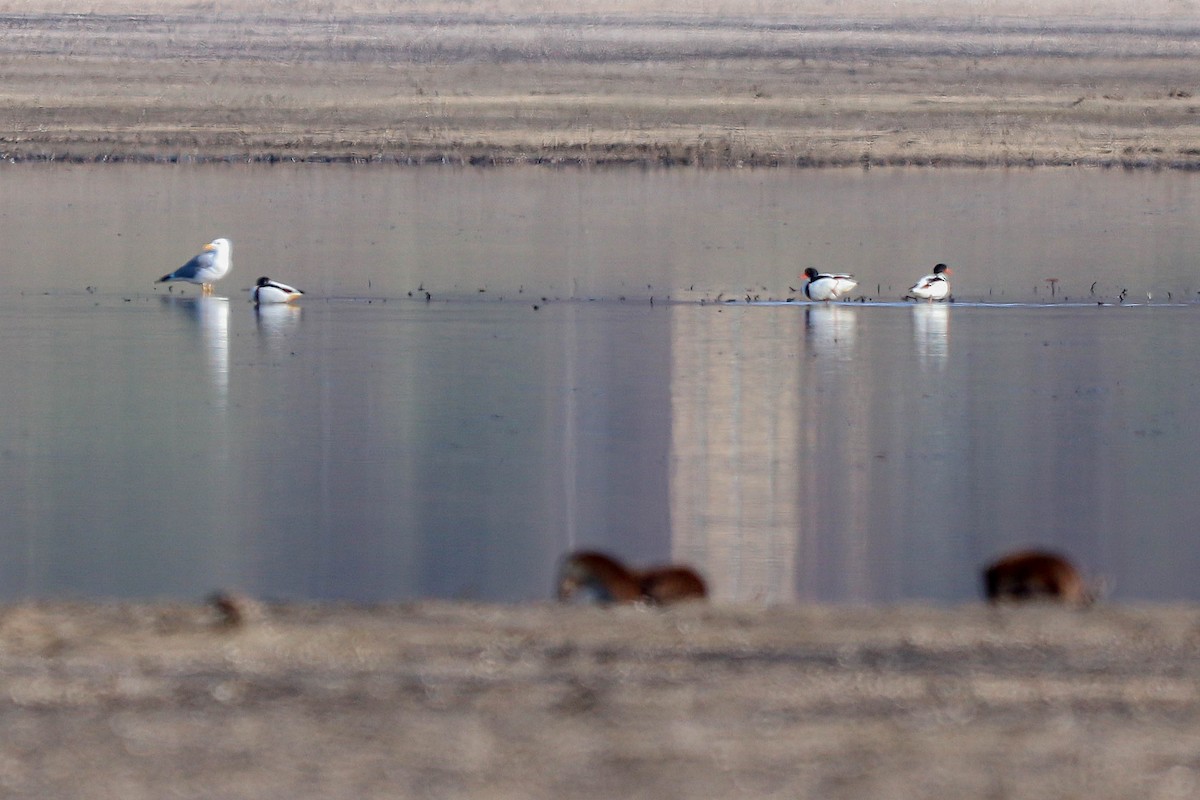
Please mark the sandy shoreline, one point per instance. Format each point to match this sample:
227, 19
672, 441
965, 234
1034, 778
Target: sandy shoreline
446, 699
507, 81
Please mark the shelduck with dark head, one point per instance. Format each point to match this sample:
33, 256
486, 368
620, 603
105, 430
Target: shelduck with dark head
269, 292
934, 286
825, 286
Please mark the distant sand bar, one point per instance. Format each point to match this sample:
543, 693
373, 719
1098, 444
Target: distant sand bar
722, 84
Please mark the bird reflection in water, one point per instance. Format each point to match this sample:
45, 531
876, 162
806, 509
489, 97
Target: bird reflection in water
277, 321
830, 329
211, 317
931, 331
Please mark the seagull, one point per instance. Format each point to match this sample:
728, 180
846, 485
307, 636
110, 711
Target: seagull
269, 291
823, 286
210, 265
933, 286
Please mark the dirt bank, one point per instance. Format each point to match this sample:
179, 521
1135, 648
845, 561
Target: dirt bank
450, 700
724, 84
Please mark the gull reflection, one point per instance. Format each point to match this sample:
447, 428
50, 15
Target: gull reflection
931, 329
829, 330
211, 316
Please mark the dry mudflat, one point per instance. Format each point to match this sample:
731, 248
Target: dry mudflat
713, 83
540, 701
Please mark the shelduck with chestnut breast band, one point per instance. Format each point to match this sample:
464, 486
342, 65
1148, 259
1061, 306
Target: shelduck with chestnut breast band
933, 286
267, 292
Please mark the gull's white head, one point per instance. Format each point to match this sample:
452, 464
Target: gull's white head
222, 250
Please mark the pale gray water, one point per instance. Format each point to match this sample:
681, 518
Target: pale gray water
369, 445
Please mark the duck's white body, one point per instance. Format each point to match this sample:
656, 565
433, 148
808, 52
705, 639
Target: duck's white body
824, 286
933, 286
211, 264
267, 291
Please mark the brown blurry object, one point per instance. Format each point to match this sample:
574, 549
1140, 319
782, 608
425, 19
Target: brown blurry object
592, 576
235, 610
1035, 575
672, 584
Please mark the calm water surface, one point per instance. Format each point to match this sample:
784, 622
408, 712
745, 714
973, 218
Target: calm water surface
370, 445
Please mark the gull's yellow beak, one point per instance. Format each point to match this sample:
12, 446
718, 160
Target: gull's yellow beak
208, 246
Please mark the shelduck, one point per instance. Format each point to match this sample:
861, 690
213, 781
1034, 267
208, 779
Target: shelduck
824, 286
933, 286
267, 291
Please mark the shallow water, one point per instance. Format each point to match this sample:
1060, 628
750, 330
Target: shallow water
371, 445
